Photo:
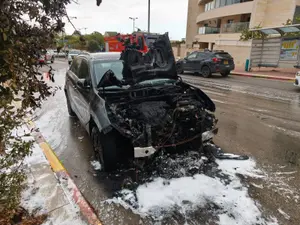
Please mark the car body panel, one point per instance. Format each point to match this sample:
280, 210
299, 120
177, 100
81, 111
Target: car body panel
297, 79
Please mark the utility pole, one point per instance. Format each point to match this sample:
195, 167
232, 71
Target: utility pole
148, 16
133, 20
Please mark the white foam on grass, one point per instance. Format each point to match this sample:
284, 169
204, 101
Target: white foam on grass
234, 205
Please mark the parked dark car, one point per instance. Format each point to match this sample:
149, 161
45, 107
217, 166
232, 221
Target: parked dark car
206, 63
134, 106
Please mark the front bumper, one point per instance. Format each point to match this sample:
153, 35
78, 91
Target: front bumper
142, 152
228, 67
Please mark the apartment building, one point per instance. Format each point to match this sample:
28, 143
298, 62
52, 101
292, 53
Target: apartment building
217, 24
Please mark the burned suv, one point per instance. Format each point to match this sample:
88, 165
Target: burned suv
134, 105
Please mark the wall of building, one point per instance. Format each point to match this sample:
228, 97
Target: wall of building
180, 51
270, 13
239, 53
192, 27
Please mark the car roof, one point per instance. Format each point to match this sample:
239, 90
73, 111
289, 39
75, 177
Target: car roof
102, 56
213, 52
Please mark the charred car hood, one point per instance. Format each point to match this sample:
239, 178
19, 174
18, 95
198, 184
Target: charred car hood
158, 62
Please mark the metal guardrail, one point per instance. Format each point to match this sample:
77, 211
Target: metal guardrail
234, 27
209, 30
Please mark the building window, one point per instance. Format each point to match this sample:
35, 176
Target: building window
222, 3
213, 3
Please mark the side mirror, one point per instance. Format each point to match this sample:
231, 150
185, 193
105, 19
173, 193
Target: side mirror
83, 83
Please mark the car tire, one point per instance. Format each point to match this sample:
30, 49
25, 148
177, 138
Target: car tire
205, 71
179, 69
70, 110
105, 149
225, 73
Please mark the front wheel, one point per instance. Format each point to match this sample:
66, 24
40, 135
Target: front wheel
205, 71
105, 149
225, 73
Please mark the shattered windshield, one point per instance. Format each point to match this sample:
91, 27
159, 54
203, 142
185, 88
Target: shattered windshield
101, 67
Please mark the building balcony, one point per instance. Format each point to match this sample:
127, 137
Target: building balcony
234, 27
225, 28
208, 30
229, 10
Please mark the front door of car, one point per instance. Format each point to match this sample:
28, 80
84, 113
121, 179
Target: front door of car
201, 57
71, 88
190, 62
84, 89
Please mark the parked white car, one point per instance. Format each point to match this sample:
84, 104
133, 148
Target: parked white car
297, 79
72, 54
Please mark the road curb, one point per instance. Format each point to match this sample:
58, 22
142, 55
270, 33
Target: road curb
263, 76
71, 190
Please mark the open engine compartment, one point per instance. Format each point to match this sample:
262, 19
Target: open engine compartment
170, 116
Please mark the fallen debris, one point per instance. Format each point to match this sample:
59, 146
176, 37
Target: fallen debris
96, 165
285, 215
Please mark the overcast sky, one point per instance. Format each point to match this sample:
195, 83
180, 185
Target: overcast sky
113, 15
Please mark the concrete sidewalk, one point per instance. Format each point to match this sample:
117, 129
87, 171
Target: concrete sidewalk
267, 73
49, 189
43, 194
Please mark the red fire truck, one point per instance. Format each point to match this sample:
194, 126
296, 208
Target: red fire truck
142, 39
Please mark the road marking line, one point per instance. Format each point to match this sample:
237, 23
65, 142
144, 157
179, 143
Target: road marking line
215, 100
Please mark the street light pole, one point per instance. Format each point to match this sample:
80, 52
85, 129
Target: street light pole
148, 16
133, 20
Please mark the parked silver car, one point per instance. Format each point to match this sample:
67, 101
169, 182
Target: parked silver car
72, 54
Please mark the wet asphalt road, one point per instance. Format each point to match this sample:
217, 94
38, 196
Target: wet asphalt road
257, 117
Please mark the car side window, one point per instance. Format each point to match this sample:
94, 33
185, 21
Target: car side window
75, 66
201, 55
83, 70
192, 56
